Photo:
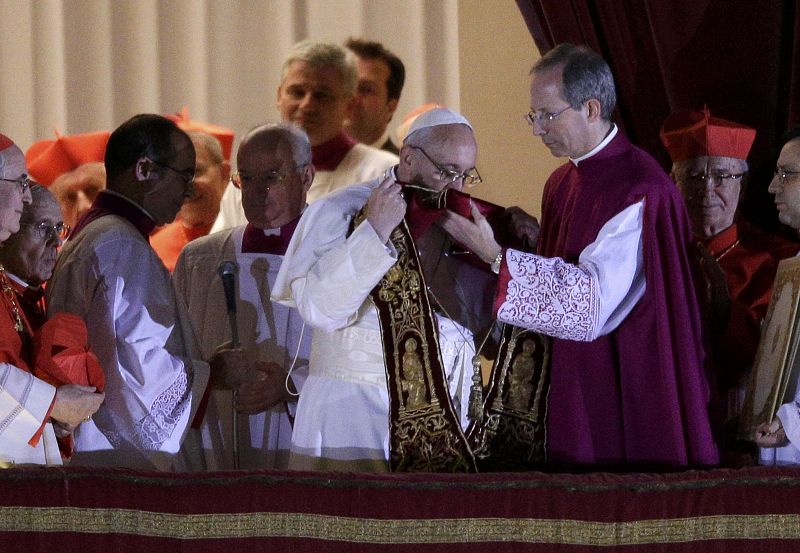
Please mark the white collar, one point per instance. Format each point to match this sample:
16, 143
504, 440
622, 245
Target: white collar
18, 280
612, 133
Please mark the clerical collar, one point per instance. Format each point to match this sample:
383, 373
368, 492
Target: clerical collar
274, 240
19, 281
328, 156
109, 202
609, 137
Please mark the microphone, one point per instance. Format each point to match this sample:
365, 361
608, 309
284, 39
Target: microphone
227, 271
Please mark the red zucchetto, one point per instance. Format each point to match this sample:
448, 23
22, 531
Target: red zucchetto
49, 159
223, 134
5, 142
690, 134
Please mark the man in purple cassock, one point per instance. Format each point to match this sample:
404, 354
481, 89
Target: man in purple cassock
612, 284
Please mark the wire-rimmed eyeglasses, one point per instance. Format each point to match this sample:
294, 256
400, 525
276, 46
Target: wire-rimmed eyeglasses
24, 183
542, 117
782, 174
48, 232
269, 180
470, 177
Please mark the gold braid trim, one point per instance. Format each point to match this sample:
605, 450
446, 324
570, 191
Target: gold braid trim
80, 520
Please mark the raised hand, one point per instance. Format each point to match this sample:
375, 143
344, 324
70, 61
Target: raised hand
386, 208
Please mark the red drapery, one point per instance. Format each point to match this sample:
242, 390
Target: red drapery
738, 58
83, 510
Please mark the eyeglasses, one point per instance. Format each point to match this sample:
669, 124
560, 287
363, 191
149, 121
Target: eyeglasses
24, 183
720, 177
541, 117
186, 175
781, 173
48, 232
470, 178
270, 179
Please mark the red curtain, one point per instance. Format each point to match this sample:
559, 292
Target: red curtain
738, 58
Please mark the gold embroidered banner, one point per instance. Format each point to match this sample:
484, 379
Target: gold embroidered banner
424, 431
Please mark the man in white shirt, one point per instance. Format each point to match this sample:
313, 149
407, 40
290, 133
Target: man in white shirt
108, 275
275, 171
317, 93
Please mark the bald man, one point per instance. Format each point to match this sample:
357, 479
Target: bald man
275, 172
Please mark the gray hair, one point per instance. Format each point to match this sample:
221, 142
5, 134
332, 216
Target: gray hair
210, 143
39, 196
321, 55
282, 134
585, 76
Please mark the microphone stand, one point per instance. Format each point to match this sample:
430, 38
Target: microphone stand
227, 270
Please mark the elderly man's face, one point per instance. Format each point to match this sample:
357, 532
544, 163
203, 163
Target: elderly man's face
31, 253
372, 108
314, 99
787, 189
76, 190
172, 183
566, 134
711, 187
449, 147
210, 179
12, 196
273, 186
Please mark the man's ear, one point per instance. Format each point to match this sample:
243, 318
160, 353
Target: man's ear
595, 109
144, 169
392, 105
308, 176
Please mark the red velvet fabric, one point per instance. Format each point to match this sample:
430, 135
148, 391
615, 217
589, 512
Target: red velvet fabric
738, 58
93, 509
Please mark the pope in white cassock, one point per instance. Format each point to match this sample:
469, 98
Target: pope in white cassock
334, 262
108, 275
274, 174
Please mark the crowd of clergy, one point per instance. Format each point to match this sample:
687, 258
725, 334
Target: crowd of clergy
341, 301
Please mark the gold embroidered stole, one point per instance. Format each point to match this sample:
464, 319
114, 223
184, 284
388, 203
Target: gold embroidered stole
511, 435
424, 430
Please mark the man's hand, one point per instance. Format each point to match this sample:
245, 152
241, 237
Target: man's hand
771, 434
229, 367
263, 390
386, 208
476, 235
524, 226
75, 403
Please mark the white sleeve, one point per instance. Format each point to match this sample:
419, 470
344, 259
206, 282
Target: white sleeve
124, 294
326, 273
584, 301
24, 402
340, 279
